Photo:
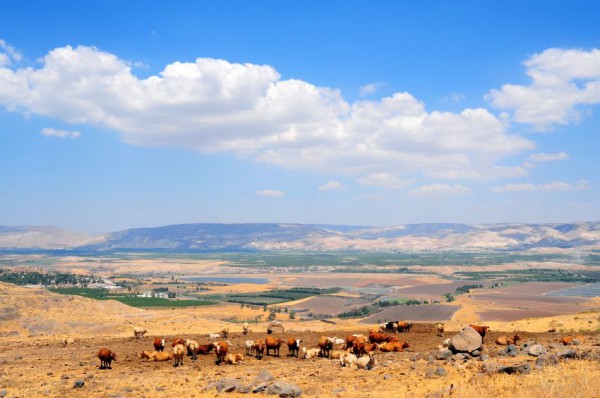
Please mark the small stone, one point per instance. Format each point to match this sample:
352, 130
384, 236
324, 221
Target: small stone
160, 389
387, 377
78, 383
515, 369
484, 357
260, 388
440, 371
536, 350
443, 354
430, 359
64, 377
50, 374
264, 375
3, 393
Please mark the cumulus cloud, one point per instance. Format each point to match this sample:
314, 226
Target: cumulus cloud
385, 180
371, 88
547, 157
551, 186
270, 192
332, 186
50, 132
562, 80
439, 190
8, 54
212, 105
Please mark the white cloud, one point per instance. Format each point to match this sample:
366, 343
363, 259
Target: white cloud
385, 180
371, 88
332, 186
547, 157
562, 81
439, 190
551, 186
270, 192
50, 132
212, 105
8, 54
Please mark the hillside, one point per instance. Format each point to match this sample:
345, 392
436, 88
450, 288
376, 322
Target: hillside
244, 237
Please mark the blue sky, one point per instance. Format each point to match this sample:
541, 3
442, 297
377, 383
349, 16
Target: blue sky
116, 115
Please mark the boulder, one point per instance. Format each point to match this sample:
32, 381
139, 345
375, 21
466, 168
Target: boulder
467, 340
536, 350
284, 389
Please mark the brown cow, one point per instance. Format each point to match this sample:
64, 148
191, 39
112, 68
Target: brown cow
204, 349
106, 356
159, 344
505, 340
404, 327
325, 345
482, 330
176, 341
271, 343
259, 349
440, 329
221, 349
376, 337
293, 347
394, 346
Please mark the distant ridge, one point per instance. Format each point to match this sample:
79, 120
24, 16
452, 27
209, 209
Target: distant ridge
281, 236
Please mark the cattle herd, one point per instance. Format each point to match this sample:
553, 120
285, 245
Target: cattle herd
355, 350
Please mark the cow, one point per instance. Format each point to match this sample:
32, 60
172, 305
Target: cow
106, 356
505, 340
440, 329
376, 337
569, 340
139, 332
245, 328
394, 346
404, 327
221, 349
391, 327
205, 349
325, 345
159, 344
259, 349
178, 353
482, 330
273, 344
293, 347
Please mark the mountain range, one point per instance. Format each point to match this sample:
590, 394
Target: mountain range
271, 236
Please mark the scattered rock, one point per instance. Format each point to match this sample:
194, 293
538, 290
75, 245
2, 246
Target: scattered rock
476, 353
536, 350
546, 360
439, 371
511, 350
430, 359
467, 340
160, 389
264, 375
50, 374
387, 377
3, 393
515, 369
64, 377
284, 389
443, 354
484, 357
78, 383
570, 354
260, 388
489, 367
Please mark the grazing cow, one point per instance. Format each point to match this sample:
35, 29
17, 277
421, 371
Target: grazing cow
376, 337
205, 349
139, 332
404, 327
482, 330
178, 353
325, 345
569, 340
221, 349
259, 349
293, 347
106, 356
159, 344
359, 347
394, 346
271, 343
506, 340
245, 328
440, 329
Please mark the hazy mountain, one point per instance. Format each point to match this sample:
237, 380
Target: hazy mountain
235, 237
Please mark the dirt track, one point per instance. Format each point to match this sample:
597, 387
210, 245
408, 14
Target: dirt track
45, 368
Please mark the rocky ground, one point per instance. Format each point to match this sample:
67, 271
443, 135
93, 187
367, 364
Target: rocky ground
31, 367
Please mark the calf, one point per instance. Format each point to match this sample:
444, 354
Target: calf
106, 356
505, 340
482, 330
259, 349
249, 344
293, 347
159, 344
178, 353
232, 359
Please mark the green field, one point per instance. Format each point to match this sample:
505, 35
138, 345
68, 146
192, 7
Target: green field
134, 301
